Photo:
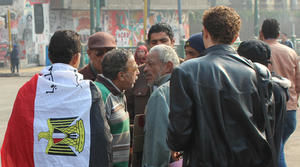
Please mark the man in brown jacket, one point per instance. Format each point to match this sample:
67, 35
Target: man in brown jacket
98, 44
285, 63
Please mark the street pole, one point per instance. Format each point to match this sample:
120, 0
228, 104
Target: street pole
181, 41
9, 30
98, 8
145, 18
92, 24
256, 17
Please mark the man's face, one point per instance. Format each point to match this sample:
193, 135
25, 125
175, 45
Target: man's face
160, 38
190, 53
130, 76
153, 68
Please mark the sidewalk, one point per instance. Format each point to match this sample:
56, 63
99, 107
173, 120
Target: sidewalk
23, 72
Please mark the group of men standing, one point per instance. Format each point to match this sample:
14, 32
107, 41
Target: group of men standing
208, 110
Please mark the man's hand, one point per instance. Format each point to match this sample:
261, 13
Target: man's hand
176, 155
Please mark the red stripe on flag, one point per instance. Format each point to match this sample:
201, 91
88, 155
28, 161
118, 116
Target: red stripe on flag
17, 148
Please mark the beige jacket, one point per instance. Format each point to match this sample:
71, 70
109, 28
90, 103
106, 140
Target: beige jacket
286, 63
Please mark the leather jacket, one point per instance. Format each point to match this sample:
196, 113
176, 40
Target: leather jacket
214, 113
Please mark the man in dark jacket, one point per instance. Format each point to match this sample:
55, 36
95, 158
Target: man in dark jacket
260, 52
215, 116
14, 59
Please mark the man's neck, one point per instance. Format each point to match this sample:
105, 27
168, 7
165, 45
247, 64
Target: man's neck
270, 40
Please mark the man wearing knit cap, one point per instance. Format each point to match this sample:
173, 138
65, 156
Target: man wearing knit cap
194, 46
98, 44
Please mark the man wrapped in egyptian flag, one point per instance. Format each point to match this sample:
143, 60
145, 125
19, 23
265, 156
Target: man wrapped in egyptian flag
58, 119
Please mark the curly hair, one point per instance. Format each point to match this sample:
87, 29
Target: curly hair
223, 24
270, 29
114, 62
64, 44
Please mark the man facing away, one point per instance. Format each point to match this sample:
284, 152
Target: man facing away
260, 52
58, 119
214, 114
98, 44
284, 63
159, 65
119, 74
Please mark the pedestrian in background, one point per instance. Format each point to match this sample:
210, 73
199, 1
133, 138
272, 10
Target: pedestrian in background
14, 59
98, 44
215, 116
285, 40
285, 63
140, 54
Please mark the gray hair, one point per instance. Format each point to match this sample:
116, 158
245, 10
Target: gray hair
166, 53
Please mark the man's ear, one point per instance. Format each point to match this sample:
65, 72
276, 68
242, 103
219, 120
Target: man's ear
234, 39
75, 61
173, 42
89, 52
121, 75
261, 35
206, 38
169, 67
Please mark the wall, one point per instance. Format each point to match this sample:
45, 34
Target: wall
127, 26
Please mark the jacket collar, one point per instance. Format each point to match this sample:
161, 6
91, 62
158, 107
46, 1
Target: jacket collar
163, 79
109, 85
228, 50
223, 47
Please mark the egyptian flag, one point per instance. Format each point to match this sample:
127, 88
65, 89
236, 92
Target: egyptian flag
57, 120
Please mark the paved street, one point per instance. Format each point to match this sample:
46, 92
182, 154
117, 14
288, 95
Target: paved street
10, 85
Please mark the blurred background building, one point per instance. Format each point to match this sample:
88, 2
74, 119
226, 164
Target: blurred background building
34, 21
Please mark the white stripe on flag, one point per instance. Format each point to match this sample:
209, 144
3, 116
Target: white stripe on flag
58, 115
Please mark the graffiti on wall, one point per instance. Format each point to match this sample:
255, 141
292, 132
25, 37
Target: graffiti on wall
72, 20
60, 20
128, 27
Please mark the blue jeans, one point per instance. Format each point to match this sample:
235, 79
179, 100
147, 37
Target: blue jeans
289, 126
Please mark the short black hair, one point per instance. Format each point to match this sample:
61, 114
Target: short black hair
256, 51
161, 27
64, 44
270, 29
114, 62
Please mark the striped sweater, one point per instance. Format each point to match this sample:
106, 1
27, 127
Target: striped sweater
118, 119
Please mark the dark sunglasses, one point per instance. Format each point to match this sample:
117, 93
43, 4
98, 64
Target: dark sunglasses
102, 51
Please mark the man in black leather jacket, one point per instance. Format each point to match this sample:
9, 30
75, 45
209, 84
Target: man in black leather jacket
215, 116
